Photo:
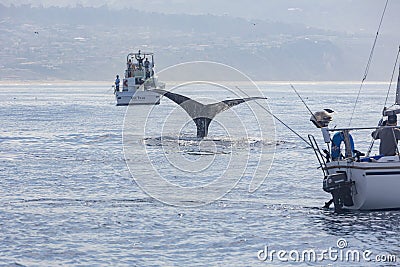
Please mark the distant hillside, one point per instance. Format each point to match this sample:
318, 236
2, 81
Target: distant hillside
92, 43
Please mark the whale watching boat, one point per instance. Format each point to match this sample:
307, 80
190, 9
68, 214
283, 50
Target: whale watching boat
139, 79
355, 180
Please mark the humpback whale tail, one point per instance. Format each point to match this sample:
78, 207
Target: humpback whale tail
201, 114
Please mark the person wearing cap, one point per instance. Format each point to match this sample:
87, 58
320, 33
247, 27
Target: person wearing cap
388, 136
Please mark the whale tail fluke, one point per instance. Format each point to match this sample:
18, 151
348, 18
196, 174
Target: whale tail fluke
201, 114
227, 104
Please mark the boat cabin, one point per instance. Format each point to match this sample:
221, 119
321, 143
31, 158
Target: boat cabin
139, 70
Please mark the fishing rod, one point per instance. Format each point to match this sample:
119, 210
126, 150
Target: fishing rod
297, 93
369, 62
309, 110
325, 132
278, 119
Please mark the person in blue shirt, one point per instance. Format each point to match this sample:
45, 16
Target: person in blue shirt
117, 81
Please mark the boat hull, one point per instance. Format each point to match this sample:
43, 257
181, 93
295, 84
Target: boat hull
138, 97
376, 184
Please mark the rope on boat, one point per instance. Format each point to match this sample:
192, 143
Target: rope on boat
391, 79
369, 62
276, 118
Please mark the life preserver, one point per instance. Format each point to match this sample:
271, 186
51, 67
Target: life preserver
125, 83
337, 140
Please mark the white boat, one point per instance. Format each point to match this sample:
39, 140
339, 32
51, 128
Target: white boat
139, 79
356, 181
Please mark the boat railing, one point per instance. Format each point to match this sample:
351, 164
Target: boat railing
359, 128
138, 73
349, 147
318, 154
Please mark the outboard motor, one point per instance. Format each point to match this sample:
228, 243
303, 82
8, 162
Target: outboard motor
340, 187
322, 118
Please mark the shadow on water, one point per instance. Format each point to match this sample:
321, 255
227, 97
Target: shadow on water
349, 222
374, 229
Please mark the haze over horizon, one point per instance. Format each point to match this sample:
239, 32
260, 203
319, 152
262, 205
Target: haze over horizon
351, 15
268, 40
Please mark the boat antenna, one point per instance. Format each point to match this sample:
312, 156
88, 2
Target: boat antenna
276, 118
369, 62
391, 80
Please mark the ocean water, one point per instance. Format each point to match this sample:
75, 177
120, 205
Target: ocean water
71, 197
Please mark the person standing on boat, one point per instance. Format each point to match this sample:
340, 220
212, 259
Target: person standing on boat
147, 63
388, 136
147, 67
139, 60
117, 81
130, 68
